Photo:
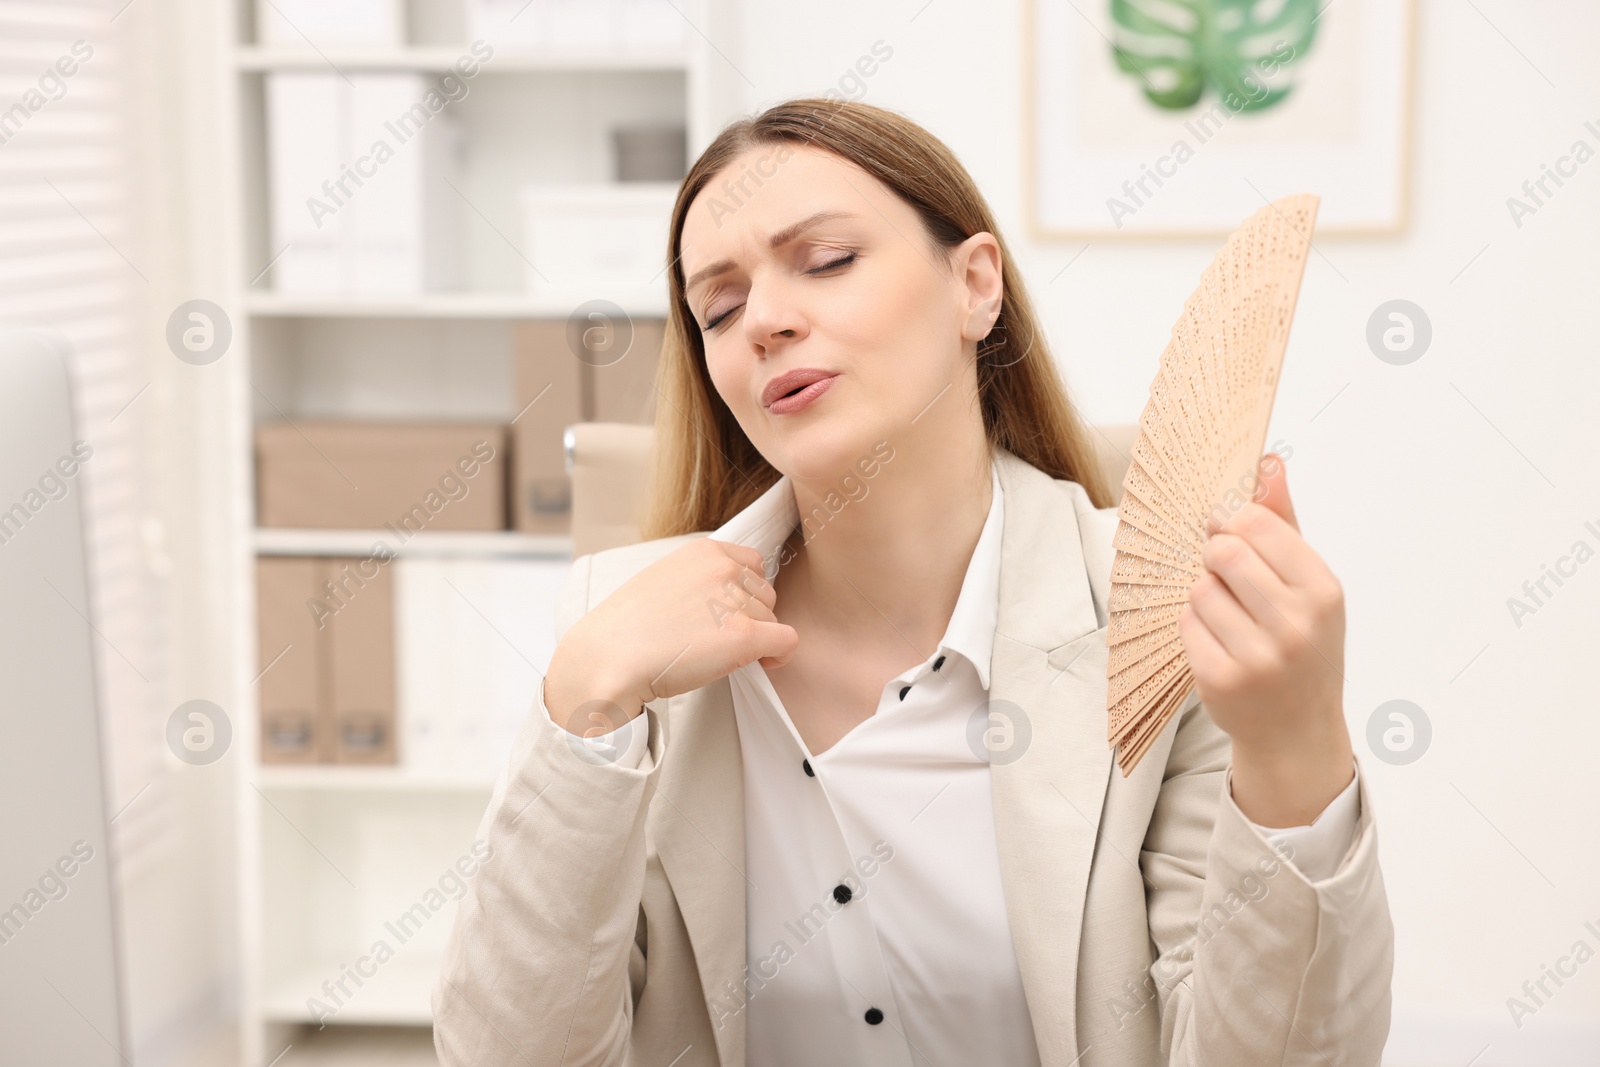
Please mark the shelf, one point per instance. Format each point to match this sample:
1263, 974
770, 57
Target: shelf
276, 541
533, 115
432, 306
442, 58
334, 778
399, 994
354, 1046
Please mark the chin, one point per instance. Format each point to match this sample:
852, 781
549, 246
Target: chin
823, 454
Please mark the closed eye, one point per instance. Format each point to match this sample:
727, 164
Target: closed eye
842, 261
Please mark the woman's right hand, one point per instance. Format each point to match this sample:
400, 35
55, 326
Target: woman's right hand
695, 615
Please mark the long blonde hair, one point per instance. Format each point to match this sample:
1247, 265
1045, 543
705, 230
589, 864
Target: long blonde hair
706, 469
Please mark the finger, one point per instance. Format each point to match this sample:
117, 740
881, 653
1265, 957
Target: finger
1226, 619
1280, 546
1248, 579
1207, 658
774, 643
759, 610
753, 588
1273, 491
754, 579
744, 554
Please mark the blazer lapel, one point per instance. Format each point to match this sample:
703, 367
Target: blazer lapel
1049, 674
698, 830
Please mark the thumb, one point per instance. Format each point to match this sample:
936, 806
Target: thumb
1273, 490
779, 641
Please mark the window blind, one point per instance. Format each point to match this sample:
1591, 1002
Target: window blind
70, 263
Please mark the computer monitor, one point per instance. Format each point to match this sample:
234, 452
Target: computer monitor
58, 946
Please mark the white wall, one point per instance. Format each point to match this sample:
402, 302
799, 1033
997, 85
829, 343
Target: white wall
1434, 490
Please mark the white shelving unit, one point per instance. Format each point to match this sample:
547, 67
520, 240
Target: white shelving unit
438, 58
289, 779
472, 544
485, 306
332, 856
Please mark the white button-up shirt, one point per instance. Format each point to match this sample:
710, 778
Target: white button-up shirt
876, 928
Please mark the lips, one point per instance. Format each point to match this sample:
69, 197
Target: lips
792, 381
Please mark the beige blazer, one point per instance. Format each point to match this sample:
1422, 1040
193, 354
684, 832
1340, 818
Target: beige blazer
1152, 923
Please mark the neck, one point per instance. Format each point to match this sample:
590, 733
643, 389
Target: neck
886, 560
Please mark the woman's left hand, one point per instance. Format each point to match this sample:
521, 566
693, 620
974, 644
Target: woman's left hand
1264, 635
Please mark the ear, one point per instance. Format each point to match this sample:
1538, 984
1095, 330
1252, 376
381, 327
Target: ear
978, 267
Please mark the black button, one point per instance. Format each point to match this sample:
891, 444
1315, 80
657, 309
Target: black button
938, 663
904, 691
807, 765
874, 1016
842, 894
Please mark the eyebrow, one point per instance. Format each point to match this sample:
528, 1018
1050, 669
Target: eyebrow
777, 240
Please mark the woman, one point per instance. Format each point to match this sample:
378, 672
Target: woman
831, 784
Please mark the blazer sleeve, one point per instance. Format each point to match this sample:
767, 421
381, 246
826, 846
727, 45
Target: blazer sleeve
1255, 963
542, 965
1317, 848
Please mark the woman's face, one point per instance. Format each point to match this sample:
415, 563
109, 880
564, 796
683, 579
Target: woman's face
797, 260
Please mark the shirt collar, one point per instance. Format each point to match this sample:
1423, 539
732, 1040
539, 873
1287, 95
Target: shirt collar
769, 520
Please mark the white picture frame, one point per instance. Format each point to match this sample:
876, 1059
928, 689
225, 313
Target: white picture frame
1105, 162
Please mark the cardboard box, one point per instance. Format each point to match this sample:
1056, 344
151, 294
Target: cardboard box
625, 383
293, 724
653, 153
611, 472
550, 386
568, 374
327, 653
400, 477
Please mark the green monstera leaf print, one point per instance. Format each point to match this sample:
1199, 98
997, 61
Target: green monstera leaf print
1176, 48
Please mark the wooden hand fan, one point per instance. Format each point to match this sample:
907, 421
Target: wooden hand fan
1199, 444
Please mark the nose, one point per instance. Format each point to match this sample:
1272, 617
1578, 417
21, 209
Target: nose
772, 318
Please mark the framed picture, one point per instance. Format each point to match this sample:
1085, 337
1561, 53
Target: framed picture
1175, 118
